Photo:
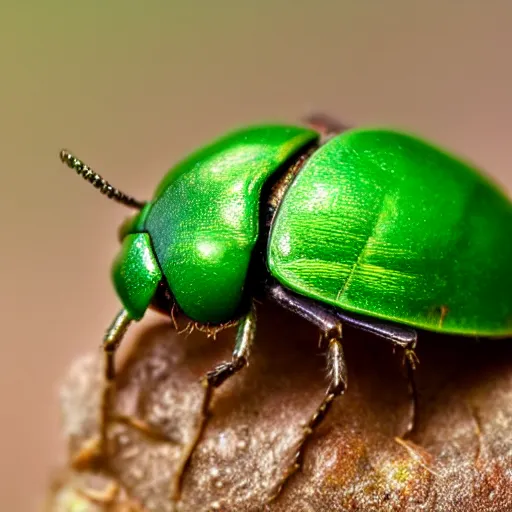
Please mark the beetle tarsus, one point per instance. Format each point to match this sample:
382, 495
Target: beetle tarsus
213, 379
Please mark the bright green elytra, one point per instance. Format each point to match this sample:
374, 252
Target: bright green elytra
381, 223
376, 222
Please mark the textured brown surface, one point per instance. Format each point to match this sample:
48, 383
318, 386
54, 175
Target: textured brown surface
132, 87
459, 459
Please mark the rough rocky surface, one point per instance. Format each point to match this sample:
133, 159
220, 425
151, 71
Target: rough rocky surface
460, 457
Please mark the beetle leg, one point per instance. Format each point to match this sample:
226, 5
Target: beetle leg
326, 318
330, 327
323, 317
213, 379
410, 362
338, 384
96, 448
325, 124
402, 337
111, 342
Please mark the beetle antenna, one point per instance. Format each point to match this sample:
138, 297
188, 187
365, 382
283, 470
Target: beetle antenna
97, 181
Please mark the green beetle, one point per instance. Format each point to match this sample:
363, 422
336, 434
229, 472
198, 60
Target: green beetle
366, 227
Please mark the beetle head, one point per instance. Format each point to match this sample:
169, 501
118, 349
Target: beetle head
136, 273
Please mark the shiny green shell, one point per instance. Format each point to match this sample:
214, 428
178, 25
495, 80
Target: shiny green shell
136, 273
203, 221
383, 224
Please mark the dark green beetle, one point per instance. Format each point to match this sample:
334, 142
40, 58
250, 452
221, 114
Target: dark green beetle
367, 227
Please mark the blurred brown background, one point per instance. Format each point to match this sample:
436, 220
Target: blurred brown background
132, 86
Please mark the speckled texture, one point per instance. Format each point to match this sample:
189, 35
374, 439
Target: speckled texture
459, 459
89, 492
203, 221
136, 274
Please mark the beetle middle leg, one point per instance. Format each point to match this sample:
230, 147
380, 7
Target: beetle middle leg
337, 370
328, 320
331, 330
213, 379
400, 336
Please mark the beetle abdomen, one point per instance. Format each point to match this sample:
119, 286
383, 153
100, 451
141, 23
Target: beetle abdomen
380, 223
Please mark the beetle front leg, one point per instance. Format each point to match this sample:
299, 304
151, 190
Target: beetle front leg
213, 379
111, 342
96, 448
